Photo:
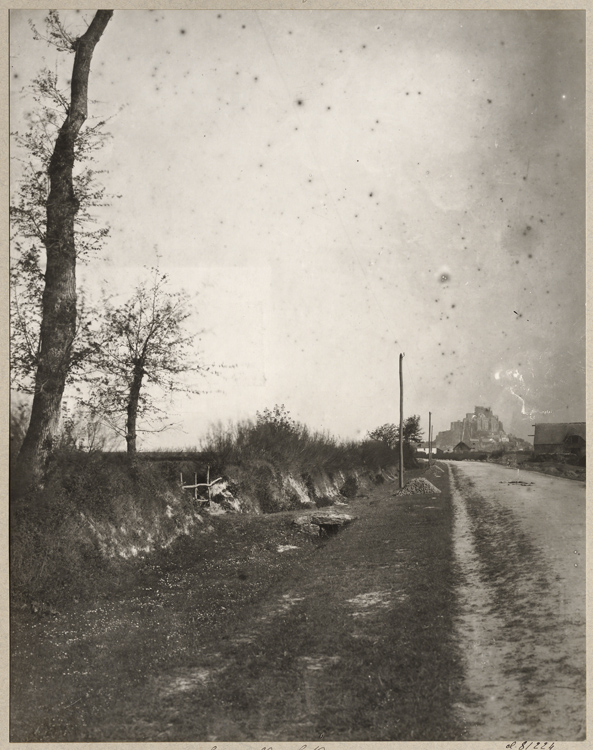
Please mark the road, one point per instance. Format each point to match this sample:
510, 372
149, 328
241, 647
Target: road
519, 540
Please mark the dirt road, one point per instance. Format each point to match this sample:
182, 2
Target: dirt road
520, 545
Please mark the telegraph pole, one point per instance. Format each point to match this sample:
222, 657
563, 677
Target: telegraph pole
401, 422
429, 437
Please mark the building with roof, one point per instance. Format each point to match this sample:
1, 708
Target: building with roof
560, 437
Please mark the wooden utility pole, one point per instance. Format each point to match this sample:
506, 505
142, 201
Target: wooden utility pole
401, 422
429, 437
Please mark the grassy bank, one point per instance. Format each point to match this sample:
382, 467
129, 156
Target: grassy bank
226, 638
99, 515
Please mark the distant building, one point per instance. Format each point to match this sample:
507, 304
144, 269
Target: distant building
480, 428
560, 437
461, 448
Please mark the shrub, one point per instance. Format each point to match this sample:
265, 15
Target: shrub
350, 487
72, 537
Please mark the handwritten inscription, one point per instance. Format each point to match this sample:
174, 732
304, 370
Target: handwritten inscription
530, 746
302, 747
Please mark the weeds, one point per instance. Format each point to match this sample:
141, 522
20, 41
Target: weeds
97, 511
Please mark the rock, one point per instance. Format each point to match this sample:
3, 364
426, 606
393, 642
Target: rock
316, 523
304, 524
214, 509
419, 486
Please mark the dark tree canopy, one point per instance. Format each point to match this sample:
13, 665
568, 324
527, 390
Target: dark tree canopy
389, 432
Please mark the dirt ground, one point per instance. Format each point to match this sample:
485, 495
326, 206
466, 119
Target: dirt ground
259, 632
520, 544
450, 616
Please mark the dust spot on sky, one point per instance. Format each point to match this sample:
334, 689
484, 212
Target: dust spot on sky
181, 31
444, 277
300, 102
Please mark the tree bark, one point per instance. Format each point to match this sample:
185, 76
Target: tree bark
58, 323
132, 409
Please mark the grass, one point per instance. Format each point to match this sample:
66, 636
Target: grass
99, 514
223, 638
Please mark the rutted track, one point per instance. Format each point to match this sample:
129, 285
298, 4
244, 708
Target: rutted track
519, 542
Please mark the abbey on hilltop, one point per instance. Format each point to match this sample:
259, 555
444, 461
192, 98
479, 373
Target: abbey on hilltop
479, 430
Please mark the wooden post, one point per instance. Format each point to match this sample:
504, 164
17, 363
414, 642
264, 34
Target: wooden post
429, 437
196, 487
401, 422
208, 483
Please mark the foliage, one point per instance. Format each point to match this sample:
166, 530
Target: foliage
290, 447
92, 514
278, 418
79, 430
143, 344
32, 152
389, 432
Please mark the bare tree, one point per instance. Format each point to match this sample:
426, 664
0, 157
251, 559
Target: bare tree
59, 300
144, 343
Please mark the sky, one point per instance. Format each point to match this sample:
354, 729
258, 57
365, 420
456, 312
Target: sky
335, 188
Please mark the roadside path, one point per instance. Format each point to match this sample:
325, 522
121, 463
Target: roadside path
520, 545
350, 639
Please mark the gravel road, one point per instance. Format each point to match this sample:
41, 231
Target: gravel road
520, 545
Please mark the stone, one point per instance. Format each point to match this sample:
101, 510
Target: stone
326, 523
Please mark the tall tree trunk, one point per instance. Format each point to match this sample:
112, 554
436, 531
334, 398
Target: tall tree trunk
132, 409
58, 323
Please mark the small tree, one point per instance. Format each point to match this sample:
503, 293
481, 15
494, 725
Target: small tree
143, 343
412, 431
389, 433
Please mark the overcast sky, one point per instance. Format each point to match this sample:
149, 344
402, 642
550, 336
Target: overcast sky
338, 187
